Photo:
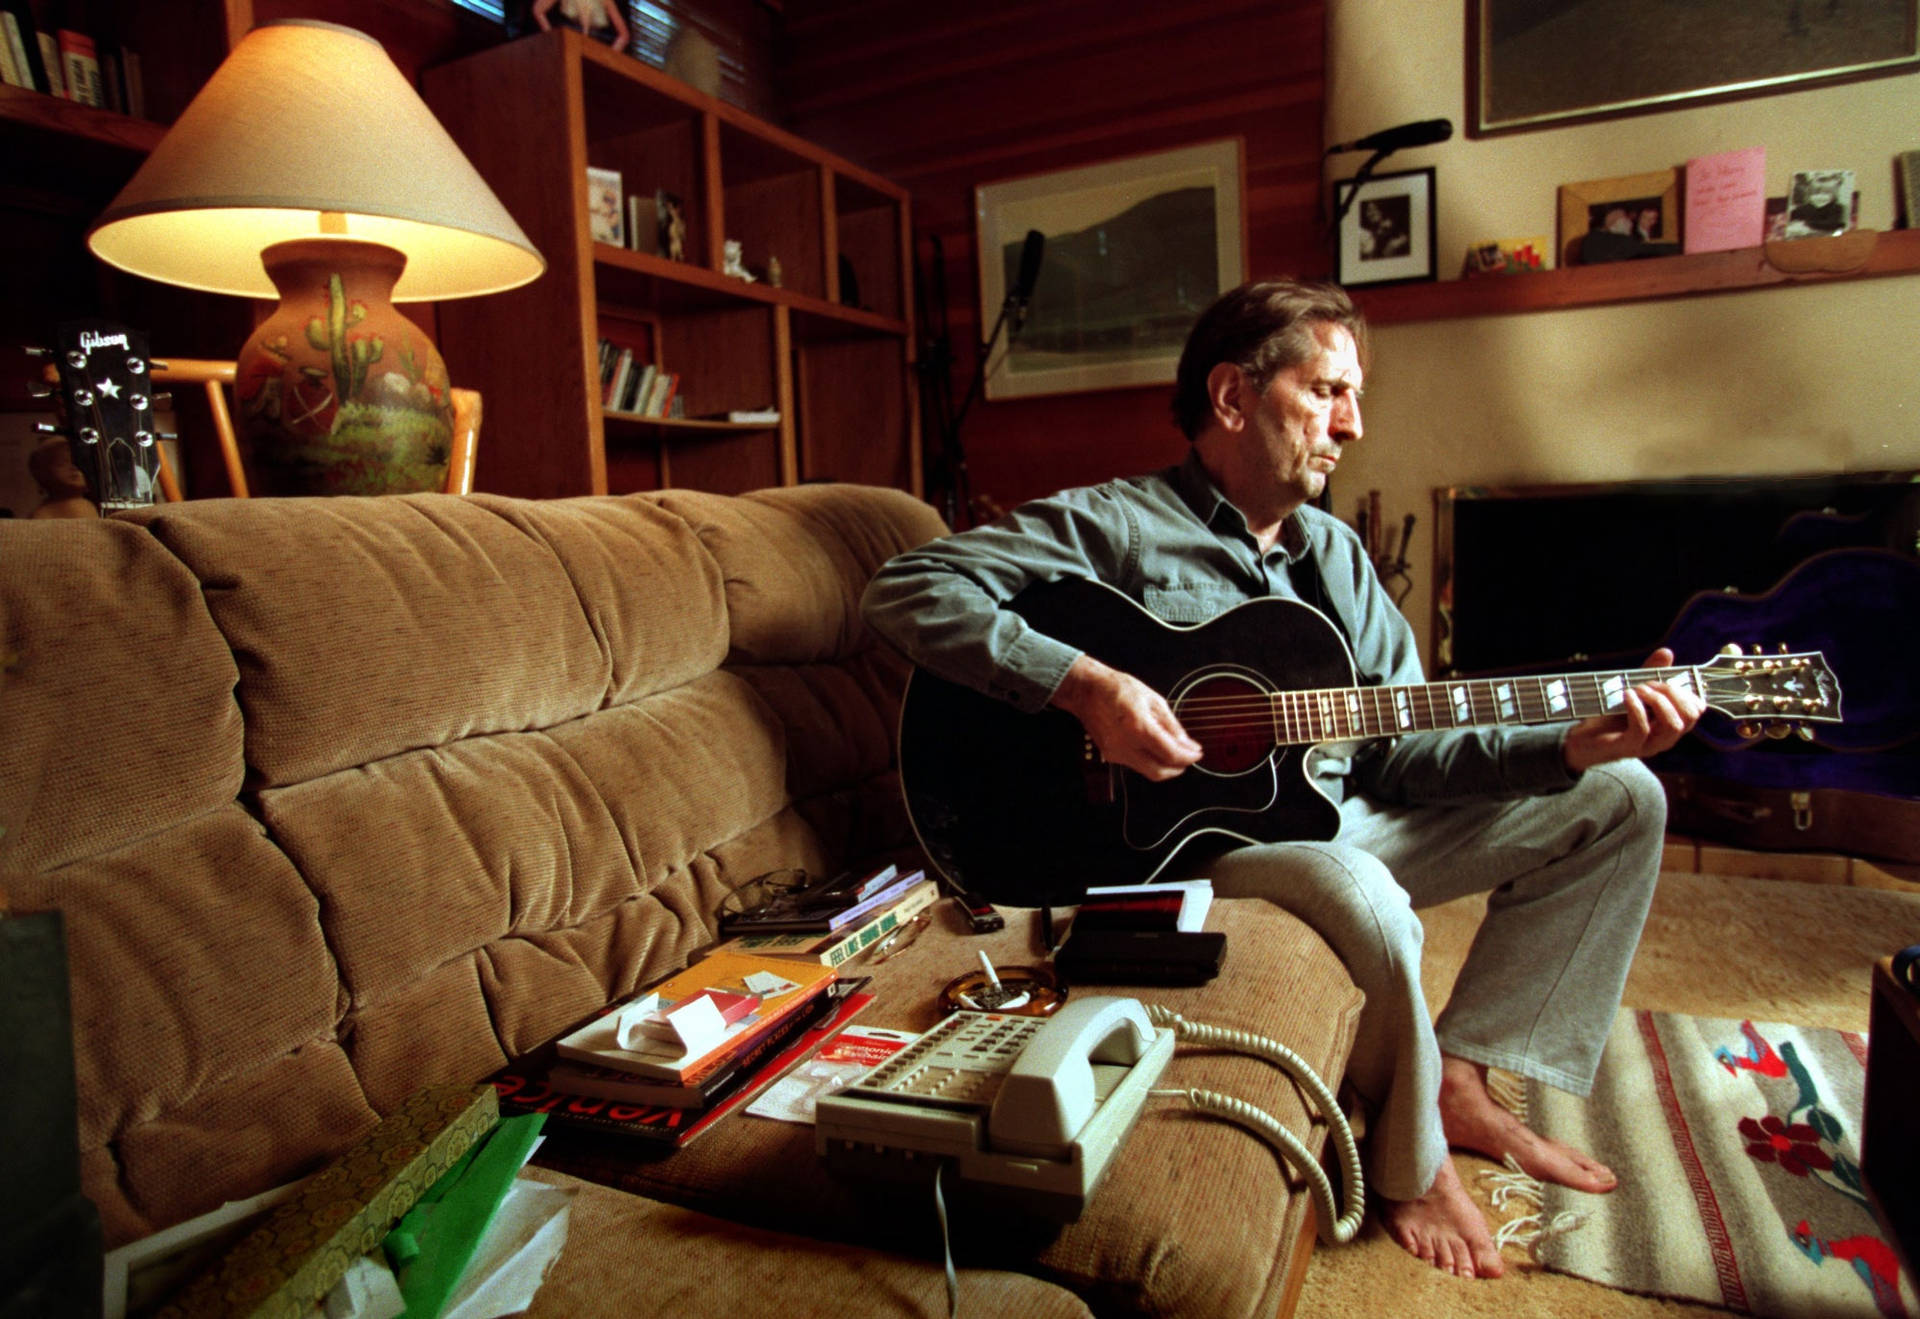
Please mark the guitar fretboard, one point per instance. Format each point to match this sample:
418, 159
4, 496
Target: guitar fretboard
1349, 713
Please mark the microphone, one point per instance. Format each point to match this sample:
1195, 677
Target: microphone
1030, 254
1423, 133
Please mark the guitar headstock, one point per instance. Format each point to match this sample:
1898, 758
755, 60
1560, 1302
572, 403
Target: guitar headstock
1777, 695
106, 389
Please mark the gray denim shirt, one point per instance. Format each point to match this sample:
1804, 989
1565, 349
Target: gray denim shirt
1171, 541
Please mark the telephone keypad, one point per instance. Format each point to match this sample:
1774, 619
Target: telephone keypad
960, 1063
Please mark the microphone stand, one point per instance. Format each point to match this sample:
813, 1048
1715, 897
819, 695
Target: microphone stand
957, 503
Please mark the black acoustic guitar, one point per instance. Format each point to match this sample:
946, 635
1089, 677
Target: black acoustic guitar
1019, 807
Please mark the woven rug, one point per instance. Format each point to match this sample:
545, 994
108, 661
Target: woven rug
1737, 1148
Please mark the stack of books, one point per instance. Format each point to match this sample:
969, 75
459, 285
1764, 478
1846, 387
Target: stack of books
636, 388
834, 922
664, 1066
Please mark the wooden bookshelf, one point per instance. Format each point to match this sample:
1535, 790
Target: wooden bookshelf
533, 115
1896, 252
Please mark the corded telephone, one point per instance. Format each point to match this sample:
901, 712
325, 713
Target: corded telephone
1037, 1105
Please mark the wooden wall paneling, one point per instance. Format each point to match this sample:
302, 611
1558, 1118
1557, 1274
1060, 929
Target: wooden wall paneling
853, 398
723, 357
533, 152
869, 236
942, 101
727, 463
777, 211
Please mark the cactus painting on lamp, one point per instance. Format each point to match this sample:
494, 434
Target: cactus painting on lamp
339, 393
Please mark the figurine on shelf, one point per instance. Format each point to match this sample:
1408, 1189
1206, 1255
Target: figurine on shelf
601, 20
671, 219
732, 262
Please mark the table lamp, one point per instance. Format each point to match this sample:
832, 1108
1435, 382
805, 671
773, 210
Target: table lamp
308, 168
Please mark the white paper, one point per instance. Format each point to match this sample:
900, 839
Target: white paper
518, 1251
696, 1024
368, 1290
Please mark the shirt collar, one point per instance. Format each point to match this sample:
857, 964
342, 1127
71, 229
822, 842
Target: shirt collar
1197, 490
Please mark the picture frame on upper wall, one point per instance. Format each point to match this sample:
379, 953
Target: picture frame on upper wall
1531, 65
1386, 233
1635, 215
1133, 251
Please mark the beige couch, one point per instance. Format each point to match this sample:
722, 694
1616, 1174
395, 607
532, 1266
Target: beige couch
341, 798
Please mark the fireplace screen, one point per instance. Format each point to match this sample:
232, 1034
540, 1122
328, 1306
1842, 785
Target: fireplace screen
1549, 577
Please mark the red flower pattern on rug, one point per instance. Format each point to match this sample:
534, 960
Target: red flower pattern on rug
1794, 1146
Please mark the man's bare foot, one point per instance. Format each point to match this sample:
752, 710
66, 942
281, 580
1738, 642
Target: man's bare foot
1445, 1228
1474, 1120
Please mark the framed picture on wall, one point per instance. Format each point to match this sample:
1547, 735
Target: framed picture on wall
1531, 64
1386, 231
1132, 252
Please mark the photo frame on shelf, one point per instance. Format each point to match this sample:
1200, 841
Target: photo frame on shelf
1613, 219
606, 206
1530, 65
1135, 250
1387, 230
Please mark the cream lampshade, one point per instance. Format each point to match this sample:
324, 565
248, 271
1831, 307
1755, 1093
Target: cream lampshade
308, 168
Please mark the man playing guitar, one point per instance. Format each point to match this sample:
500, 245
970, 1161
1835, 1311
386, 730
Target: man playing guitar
1560, 820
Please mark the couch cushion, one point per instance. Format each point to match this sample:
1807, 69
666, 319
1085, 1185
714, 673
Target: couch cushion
116, 694
1197, 1217
365, 628
638, 1257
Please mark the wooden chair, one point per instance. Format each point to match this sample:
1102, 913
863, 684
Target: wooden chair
216, 377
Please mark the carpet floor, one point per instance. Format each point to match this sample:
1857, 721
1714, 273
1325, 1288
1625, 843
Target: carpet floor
1714, 946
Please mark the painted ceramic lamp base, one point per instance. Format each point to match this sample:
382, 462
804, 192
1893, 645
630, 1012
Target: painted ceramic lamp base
340, 393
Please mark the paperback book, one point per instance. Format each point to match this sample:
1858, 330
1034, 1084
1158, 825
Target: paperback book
837, 949
825, 907
669, 1032
662, 1127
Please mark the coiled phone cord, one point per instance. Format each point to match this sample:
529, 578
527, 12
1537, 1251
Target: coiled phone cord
1335, 1227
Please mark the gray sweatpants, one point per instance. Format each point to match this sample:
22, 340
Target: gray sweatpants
1571, 876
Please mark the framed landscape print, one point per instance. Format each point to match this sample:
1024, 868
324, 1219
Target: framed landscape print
1536, 64
1134, 251
1386, 232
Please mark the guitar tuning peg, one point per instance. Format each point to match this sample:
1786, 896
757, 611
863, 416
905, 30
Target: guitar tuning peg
1783, 648
163, 399
37, 389
167, 435
47, 428
1805, 731
1748, 732
1731, 648
36, 351
1779, 731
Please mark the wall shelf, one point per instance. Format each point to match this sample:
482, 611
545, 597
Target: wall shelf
1896, 252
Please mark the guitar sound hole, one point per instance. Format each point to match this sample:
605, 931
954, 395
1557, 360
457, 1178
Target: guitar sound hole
1231, 718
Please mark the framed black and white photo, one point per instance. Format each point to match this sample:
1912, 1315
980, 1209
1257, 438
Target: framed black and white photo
1134, 251
1386, 231
1534, 65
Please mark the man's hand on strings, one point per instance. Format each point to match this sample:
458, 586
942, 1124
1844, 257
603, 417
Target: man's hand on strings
1657, 716
1130, 723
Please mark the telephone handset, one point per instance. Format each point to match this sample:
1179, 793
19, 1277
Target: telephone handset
1050, 1091
1033, 1104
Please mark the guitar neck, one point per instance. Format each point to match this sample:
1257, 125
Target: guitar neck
1301, 718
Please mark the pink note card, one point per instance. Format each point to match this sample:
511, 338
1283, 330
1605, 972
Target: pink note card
1726, 201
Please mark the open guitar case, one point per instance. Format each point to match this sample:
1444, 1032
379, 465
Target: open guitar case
1851, 787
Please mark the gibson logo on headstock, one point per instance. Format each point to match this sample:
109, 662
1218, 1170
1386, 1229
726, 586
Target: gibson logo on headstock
90, 341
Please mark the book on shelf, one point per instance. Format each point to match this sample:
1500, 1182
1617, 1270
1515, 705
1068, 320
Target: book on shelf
23, 42
752, 416
663, 1127
80, 68
616, 1038
606, 206
840, 947
824, 907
